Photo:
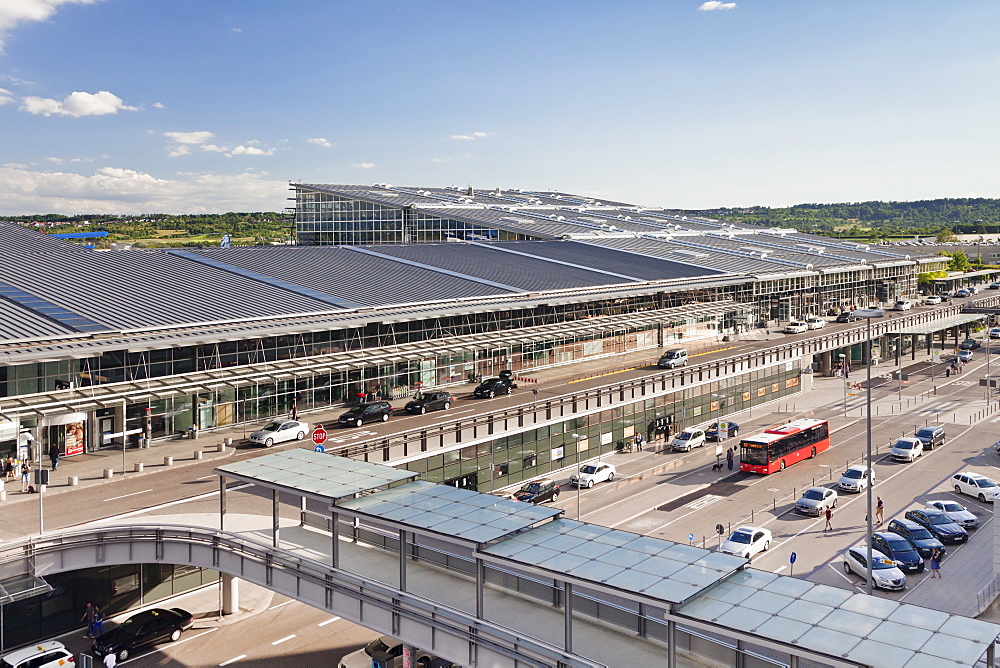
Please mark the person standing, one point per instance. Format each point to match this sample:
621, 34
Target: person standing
88, 616
8, 468
25, 471
97, 626
829, 519
54, 456
729, 458
936, 563
879, 511
110, 660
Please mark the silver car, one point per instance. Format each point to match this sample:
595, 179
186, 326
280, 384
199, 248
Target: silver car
279, 431
956, 512
816, 500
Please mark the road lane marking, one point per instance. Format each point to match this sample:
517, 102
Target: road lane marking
286, 638
780, 568
115, 498
275, 607
177, 502
211, 475
233, 660
173, 644
329, 621
706, 500
845, 576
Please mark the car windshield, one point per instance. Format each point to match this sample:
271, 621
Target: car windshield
899, 544
377, 647
356, 410
952, 507
920, 533
813, 494
985, 482
741, 537
852, 473
939, 519
925, 433
685, 435
589, 469
271, 426
905, 445
491, 382
878, 563
533, 488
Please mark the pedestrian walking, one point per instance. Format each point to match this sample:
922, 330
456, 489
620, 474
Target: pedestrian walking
25, 471
54, 456
110, 660
8, 468
879, 511
936, 563
97, 626
829, 519
88, 617
729, 459
947, 372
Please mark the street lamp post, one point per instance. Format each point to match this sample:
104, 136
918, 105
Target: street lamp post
843, 370
869, 314
578, 438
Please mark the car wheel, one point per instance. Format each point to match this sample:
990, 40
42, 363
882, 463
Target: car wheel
385, 417
300, 435
590, 483
123, 655
812, 454
847, 568
447, 405
509, 390
781, 466
358, 422
423, 409
490, 394
982, 498
555, 495
767, 544
735, 432
611, 476
175, 636
834, 503
268, 443
958, 490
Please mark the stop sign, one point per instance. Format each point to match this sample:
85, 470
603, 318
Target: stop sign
319, 435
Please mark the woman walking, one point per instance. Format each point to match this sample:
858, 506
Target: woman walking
936, 563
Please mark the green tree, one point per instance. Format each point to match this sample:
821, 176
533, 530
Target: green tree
959, 260
946, 235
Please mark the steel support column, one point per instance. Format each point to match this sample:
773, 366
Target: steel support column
222, 503
335, 542
480, 584
402, 560
275, 515
567, 616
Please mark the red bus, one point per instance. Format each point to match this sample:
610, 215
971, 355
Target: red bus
784, 445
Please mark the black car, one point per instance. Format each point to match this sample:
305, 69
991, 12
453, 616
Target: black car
538, 491
732, 429
142, 630
372, 411
899, 550
429, 401
847, 316
931, 436
919, 537
970, 344
494, 386
939, 524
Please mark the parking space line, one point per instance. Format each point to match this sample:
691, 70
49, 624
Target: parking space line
233, 660
286, 638
329, 621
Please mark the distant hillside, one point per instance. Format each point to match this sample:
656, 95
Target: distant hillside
876, 220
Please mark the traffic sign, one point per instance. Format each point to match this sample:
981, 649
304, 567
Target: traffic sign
719, 529
319, 448
319, 435
691, 537
791, 558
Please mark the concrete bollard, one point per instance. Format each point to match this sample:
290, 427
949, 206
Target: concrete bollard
221, 447
137, 467
198, 454
3, 495
109, 474
228, 440
168, 461
73, 480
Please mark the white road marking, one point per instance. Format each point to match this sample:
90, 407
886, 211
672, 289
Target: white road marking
329, 621
648, 510
173, 644
706, 500
286, 638
212, 475
233, 660
115, 498
275, 607
844, 575
177, 502
780, 568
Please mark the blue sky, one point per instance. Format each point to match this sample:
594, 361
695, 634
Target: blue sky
188, 106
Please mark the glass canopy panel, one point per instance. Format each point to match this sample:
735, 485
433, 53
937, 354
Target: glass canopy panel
828, 641
873, 653
784, 630
900, 635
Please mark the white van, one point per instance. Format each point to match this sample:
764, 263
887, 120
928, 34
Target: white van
902, 305
673, 357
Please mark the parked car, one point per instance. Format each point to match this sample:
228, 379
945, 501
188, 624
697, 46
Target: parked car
688, 439
672, 358
970, 344
387, 652
856, 478
47, 654
494, 386
993, 286
847, 316
429, 401
902, 305
885, 573
907, 449
961, 293
591, 474
372, 411
965, 356
746, 542
975, 485
939, 524
141, 630
279, 431
932, 300
815, 322
921, 539
899, 550
931, 436
945, 296
816, 500
796, 327
732, 429
995, 333
958, 513
538, 491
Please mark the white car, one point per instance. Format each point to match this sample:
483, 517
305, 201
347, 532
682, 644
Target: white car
856, 479
995, 333
975, 485
907, 449
957, 513
687, 440
815, 322
932, 300
48, 654
591, 474
816, 500
388, 652
902, 305
746, 542
964, 355
885, 573
796, 327
279, 431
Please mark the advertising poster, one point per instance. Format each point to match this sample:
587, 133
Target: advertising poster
74, 439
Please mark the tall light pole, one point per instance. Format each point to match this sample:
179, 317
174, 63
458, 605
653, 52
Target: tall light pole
579, 438
843, 370
869, 314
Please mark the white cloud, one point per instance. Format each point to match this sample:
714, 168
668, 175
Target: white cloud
237, 29
77, 104
58, 161
198, 137
249, 150
5, 96
214, 148
113, 190
472, 137
178, 150
715, 5
158, 105
320, 141
363, 165
13, 12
